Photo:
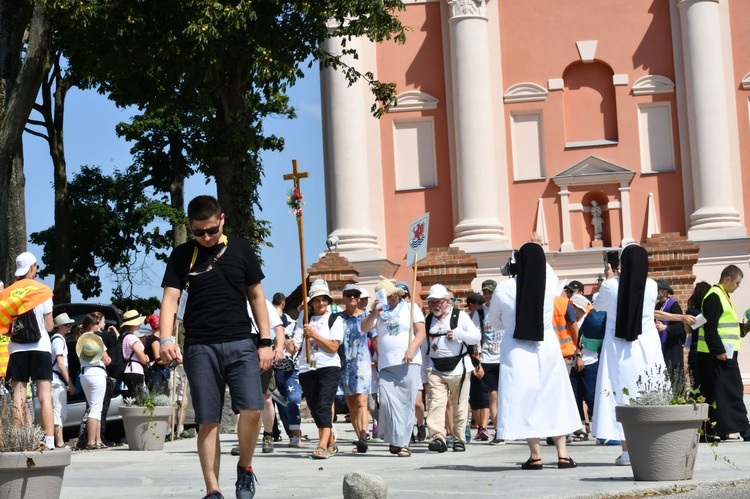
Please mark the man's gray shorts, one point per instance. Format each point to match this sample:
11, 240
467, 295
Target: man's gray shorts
210, 368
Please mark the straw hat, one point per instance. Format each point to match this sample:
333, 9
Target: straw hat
63, 319
389, 288
319, 287
90, 348
132, 318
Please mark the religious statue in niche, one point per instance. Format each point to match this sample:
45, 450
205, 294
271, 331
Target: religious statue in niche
596, 220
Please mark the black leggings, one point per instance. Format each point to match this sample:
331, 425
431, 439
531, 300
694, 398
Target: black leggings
319, 388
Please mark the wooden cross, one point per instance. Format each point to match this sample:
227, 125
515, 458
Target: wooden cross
295, 176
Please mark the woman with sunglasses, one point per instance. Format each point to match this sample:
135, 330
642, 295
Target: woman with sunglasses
356, 371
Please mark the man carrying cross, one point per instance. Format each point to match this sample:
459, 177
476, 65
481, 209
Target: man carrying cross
208, 284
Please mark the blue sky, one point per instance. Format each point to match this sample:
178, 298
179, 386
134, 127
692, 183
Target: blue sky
90, 139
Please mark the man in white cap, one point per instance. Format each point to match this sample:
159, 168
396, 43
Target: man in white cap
449, 333
32, 360
61, 382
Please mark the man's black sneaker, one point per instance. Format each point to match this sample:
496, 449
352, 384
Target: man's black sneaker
437, 445
245, 484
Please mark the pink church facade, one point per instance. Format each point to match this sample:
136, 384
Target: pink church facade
512, 117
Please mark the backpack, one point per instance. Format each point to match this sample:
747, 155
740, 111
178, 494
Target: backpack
592, 330
117, 364
26, 328
446, 364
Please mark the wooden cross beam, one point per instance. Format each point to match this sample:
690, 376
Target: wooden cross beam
295, 175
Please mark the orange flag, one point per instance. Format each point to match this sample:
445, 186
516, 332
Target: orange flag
20, 297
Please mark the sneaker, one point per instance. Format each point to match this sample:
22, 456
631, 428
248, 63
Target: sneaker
214, 494
267, 444
185, 434
245, 484
295, 441
438, 445
482, 435
422, 433
622, 462
604, 441
235, 450
497, 441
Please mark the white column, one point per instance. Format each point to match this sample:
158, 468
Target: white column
345, 115
479, 227
627, 227
715, 214
566, 245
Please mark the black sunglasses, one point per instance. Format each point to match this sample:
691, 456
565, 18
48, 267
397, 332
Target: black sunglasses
202, 232
349, 294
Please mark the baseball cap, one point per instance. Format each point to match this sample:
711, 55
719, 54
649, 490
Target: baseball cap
351, 287
403, 285
575, 286
438, 292
489, 285
580, 301
664, 284
24, 261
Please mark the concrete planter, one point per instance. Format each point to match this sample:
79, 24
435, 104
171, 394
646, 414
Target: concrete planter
662, 439
33, 475
144, 430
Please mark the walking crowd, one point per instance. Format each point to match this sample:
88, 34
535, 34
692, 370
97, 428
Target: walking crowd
531, 356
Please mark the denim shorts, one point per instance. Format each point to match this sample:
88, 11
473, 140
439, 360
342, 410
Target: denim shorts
211, 368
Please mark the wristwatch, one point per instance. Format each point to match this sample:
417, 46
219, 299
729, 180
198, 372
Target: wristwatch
265, 342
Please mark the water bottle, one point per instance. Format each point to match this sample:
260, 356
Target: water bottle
467, 433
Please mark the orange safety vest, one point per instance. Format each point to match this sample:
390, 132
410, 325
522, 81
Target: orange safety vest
560, 325
20, 297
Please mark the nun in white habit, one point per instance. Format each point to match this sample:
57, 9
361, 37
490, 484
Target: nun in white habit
631, 346
534, 394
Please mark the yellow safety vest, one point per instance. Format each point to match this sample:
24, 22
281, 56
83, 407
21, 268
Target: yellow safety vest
729, 325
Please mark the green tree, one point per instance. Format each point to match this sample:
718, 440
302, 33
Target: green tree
115, 224
227, 64
25, 44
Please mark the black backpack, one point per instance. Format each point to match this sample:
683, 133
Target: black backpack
117, 362
445, 364
26, 328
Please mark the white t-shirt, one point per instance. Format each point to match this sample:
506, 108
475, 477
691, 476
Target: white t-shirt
491, 338
393, 335
59, 347
273, 318
43, 344
441, 346
320, 357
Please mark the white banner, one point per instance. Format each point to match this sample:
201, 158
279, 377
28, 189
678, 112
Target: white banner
417, 246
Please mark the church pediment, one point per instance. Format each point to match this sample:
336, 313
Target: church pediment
593, 170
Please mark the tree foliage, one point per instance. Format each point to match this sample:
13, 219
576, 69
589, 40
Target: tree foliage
223, 65
114, 227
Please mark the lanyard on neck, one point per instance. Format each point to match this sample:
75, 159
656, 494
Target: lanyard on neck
223, 240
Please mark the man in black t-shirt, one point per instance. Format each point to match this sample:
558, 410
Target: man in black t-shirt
209, 282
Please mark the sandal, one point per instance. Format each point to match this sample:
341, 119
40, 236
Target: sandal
566, 462
361, 446
394, 449
532, 464
404, 452
580, 436
320, 453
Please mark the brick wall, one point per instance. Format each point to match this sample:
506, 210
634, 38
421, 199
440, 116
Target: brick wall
337, 270
450, 267
671, 256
